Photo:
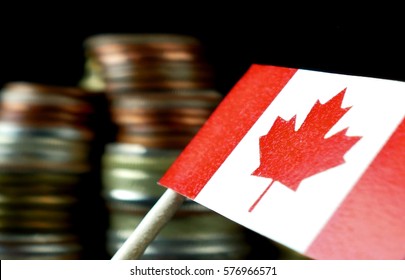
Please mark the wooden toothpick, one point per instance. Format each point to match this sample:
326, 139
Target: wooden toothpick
159, 215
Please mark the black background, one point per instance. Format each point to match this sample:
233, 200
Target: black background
45, 44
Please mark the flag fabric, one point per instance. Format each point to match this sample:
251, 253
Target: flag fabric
312, 160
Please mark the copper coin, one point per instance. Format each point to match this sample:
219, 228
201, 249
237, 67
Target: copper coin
53, 201
31, 214
31, 225
35, 88
200, 100
37, 188
43, 108
161, 40
141, 56
162, 119
18, 93
172, 84
156, 111
159, 129
156, 74
155, 67
37, 116
170, 142
118, 47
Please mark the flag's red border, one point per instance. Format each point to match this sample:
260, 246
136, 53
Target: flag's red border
373, 213
249, 98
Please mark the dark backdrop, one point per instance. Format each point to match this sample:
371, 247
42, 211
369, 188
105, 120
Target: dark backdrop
46, 45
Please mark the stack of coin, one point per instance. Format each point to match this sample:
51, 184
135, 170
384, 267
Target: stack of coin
159, 86
130, 175
132, 62
166, 120
45, 144
161, 91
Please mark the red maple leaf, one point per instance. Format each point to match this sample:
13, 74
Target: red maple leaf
290, 156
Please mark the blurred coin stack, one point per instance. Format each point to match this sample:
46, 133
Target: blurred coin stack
161, 91
45, 138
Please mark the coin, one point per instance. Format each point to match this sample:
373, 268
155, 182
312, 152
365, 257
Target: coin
47, 139
52, 201
61, 132
32, 178
48, 251
168, 142
168, 119
35, 88
39, 115
35, 220
22, 95
36, 238
197, 99
139, 150
17, 151
159, 129
167, 71
159, 40
51, 144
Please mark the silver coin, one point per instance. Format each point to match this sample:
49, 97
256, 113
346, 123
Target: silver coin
171, 71
55, 201
41, 251
51, 143
26, 153
133, 149
38, 189
36, 98
36, 238
164, 103
41, 166
10, 177
29, 225
70, 133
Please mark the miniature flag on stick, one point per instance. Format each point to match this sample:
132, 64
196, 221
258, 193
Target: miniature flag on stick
312, 160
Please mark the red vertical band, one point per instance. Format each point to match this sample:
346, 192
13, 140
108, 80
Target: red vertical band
373, 214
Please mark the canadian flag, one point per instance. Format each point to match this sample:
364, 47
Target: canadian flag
312, 160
